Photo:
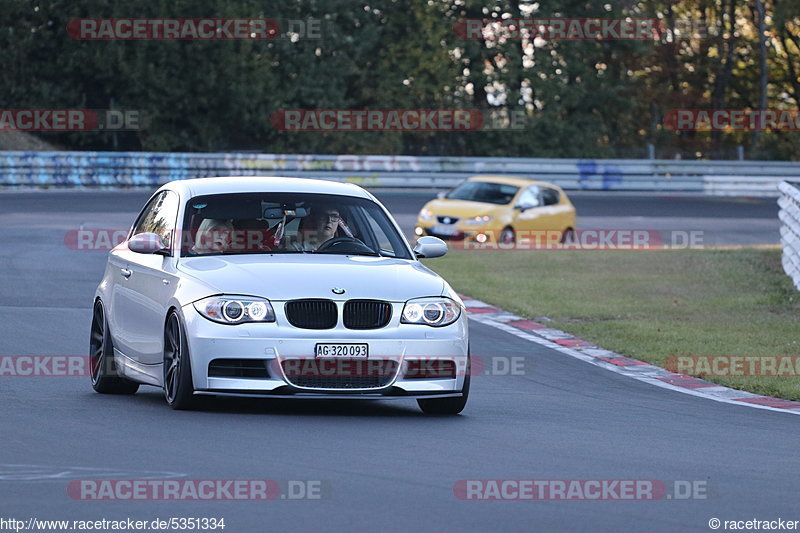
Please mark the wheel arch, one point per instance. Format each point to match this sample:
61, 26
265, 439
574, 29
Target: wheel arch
198, 374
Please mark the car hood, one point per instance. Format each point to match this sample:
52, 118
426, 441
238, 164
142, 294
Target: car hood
287, 277
461, 208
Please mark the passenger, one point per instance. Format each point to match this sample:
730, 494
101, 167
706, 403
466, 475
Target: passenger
213, 235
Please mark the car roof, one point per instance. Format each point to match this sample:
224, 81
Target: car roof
256, 184
511, 180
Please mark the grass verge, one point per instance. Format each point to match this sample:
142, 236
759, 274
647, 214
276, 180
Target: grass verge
649, 305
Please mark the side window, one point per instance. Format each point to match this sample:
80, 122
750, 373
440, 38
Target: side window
137, 227
550, 196
159, 217
529, 197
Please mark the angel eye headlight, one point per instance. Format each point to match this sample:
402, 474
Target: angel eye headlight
412, 313
232, 311
235, 309
258, 310
431, 312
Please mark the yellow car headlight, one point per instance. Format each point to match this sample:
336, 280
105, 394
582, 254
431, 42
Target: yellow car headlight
477, 221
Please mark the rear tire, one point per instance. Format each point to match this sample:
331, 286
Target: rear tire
178, 386
447, 406
103, 368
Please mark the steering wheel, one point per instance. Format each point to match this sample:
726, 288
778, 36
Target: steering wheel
330, 243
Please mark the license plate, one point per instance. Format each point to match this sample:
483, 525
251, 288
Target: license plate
342, 350
444, 229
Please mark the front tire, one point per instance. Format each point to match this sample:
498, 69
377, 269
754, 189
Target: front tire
178, 386
568, 236
507, 236
447, 406
105, 379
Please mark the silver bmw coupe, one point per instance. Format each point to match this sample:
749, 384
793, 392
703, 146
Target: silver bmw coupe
277, 287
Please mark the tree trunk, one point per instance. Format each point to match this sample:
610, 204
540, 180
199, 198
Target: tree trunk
764, 78
724, 77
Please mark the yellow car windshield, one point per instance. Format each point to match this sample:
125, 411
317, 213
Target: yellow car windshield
481, 191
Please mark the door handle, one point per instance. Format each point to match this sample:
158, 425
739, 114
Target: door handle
125, 272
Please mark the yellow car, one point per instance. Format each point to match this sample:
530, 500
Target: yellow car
497, 209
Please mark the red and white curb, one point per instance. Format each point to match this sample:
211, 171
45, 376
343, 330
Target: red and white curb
567, 344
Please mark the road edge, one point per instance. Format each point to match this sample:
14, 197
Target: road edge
589, 352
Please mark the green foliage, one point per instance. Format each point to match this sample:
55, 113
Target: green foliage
580, 98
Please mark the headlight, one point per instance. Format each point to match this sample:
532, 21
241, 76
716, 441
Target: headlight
235, 309
426, 214
476, 221
431, 311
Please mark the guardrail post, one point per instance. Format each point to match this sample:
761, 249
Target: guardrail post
789, 214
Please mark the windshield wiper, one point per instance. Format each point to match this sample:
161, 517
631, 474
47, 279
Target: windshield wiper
237, 252
368, 254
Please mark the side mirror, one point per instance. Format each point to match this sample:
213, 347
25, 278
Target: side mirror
430, 247
148, 243
440, 194
524, 207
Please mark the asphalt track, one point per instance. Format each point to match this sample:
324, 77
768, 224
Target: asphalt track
384, 466
723, 221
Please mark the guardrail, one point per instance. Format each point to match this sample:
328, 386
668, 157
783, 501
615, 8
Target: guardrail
789, 214
748, 178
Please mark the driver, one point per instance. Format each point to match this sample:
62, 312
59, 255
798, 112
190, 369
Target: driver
318, 227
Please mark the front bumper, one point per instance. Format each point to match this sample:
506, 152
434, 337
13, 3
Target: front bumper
278, 343
456, 232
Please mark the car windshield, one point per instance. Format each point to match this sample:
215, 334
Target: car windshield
284, 223
481, 191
